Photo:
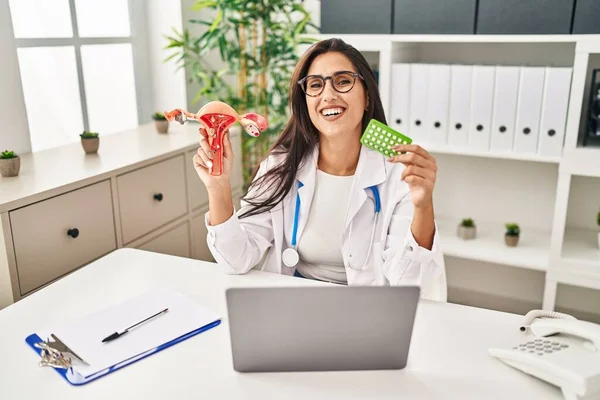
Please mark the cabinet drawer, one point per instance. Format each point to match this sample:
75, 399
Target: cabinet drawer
434, 16
175, 242
44, 249
151, 197
587, 17
524, 16
199, 232
198, 193
356, 16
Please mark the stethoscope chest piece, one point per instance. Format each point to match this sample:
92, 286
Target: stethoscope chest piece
290, 257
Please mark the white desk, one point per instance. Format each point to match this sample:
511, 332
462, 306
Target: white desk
448, 357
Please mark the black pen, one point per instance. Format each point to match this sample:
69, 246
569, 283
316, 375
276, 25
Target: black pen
124, 331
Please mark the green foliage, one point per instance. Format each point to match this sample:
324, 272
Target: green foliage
89, 135
598, 218
258, 41
6, 154
159, 116
467, 222
513, 229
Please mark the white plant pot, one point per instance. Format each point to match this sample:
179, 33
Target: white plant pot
599, 240
466, 232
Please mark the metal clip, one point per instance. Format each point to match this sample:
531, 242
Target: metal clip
55, 353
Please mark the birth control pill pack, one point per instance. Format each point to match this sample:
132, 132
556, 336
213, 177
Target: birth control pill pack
381, 138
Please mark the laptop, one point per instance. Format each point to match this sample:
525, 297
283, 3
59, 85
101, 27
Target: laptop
321, 328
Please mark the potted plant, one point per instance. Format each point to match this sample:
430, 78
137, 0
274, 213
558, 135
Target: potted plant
90, 142
258, 51
511, 237
160, 121
467, 229
10, 164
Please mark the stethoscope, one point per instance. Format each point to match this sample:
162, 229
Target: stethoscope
290, 256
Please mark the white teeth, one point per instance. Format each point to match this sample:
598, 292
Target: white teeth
332, 111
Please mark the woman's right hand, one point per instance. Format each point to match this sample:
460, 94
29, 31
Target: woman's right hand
203, 163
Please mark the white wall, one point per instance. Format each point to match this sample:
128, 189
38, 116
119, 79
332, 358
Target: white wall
168, 82
14, 134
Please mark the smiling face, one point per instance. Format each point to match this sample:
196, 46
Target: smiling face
336, 114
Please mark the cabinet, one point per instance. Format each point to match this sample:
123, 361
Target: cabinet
200, 249
57, 235
434, 16
139, 191
151, 196
587, 15
356, 16
551, 193
524, 16
175, 242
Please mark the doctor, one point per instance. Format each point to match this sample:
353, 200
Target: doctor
321, 205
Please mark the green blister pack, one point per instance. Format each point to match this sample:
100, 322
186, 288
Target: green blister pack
380, 137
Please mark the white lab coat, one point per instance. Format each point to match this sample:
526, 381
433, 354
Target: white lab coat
238, 245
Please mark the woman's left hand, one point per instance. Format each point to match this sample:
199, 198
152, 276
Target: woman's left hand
420, 173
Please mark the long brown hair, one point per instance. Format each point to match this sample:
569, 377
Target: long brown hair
299, 137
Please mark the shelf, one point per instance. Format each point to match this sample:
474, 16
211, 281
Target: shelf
580, 249
532, 252
399, 38
583, 161
441, 149
575, 277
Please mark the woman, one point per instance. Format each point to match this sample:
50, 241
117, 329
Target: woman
311, 208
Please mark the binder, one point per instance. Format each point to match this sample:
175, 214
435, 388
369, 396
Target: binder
437, 103
482, 96
400, 98
554, 111
94, 359
505, 108
529, 109
419, 84
460, 104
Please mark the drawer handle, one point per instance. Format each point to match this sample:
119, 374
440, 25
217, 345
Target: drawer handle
73, 232
158, 196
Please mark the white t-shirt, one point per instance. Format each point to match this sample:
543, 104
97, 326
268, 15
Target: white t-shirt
320, 246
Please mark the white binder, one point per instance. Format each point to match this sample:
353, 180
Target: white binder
419, 79
460, 105
505, 108
400, 98
555, 103
529, 109
437, 103
482, 97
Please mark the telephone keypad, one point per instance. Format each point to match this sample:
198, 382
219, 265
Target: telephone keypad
541, 347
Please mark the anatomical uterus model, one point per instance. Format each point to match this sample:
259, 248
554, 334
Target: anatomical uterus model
217, 117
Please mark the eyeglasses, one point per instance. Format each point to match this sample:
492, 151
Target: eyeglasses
342, 82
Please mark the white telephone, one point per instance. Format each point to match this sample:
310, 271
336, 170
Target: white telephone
560, 350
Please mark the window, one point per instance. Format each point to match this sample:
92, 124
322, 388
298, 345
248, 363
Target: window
79, 68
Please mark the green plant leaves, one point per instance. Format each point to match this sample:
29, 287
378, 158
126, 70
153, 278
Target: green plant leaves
200, 4
265, 64
217, 20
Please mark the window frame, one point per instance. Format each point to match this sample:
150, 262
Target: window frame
140, 53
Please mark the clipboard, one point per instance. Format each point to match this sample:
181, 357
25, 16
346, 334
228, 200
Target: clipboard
90, 359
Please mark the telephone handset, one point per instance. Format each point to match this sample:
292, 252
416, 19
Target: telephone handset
560, 350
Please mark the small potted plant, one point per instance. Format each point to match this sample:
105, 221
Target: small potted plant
160, 121
511, 237
90, 142
467, 229
10, 164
